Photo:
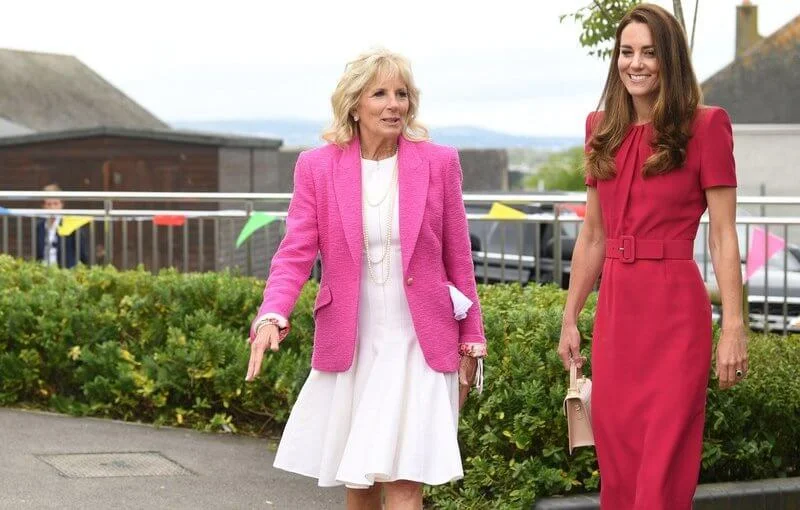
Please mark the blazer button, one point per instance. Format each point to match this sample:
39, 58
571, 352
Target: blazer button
410, 280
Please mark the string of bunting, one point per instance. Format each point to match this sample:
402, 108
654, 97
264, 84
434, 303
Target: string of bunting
69, 224
756, 259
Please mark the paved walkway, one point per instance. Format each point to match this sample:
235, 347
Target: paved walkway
220, 471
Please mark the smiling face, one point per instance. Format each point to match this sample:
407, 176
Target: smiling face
638, 64
382, 110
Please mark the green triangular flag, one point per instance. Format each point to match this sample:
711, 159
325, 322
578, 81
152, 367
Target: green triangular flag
256, 221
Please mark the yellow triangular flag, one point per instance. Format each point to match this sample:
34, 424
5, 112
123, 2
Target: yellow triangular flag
504, 212
70, 224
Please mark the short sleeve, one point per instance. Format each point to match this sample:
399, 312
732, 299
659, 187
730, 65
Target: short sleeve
715, 138
590, 120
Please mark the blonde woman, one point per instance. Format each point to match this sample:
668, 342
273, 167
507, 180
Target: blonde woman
398, 325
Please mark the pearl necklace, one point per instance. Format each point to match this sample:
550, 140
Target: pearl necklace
378, 169
388, 188
385, 259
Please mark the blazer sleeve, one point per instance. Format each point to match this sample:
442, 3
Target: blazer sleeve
457, 252
84, 245
40, 239
291, 265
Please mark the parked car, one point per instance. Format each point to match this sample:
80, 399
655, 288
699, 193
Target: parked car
765, 288
508, 251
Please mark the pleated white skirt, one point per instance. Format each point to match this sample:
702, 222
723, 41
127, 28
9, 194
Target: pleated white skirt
390, 417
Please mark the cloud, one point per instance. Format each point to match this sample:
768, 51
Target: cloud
507, 64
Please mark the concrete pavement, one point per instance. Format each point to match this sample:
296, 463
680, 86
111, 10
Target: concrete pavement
219, 471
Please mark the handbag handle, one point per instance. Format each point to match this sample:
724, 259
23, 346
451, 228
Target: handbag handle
575, 373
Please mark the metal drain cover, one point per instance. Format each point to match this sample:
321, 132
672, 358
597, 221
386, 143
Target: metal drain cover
104, 465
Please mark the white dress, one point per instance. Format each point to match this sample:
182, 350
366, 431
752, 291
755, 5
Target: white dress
390, 416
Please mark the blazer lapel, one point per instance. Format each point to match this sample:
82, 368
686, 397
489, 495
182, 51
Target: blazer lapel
413, 181
347, 186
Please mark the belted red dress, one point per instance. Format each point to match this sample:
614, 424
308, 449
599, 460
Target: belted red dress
651, 349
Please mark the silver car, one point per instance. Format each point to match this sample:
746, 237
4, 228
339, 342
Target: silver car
774, 288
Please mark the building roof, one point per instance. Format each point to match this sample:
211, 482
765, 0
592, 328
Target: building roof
49, 92
162, 135
8, 128
762, 86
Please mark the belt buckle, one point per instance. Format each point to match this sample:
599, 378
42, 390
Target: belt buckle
627, 247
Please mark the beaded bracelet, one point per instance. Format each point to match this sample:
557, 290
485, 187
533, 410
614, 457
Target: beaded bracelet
473, 350
282, 331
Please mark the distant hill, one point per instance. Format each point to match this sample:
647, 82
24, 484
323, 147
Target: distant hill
305, 133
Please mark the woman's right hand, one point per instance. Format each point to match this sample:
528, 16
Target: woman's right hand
569, 347
267, 336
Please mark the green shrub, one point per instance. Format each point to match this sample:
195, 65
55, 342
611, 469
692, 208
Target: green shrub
171, 349
513, 438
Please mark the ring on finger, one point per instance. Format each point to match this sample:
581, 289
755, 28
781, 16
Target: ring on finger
739, 373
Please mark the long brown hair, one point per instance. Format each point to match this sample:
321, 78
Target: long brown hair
678, 98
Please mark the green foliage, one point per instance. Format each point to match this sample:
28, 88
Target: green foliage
599, 20
752, 430
170, 349
562, 171
513, 436
526, 158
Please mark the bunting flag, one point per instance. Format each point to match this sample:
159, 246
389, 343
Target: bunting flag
169, 220
256, 221
70, 224
504, 212
757, 256
578, 209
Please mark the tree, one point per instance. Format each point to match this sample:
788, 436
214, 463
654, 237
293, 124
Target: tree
600, 18
599, 21
562, 171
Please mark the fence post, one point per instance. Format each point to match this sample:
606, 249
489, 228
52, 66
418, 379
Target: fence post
249, 209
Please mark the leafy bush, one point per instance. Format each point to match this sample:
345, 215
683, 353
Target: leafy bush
171, 349
513, 438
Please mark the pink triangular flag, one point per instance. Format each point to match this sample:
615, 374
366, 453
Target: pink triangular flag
756, 258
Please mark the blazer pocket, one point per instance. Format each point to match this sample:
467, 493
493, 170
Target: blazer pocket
459, 302
324, 298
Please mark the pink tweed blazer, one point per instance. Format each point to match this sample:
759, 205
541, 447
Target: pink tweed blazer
325, 217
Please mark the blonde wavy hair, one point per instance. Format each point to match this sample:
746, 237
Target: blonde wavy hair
360, 74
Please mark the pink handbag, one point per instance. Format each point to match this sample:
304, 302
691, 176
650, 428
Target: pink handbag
578, 409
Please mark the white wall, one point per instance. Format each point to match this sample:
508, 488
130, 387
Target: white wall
768, 153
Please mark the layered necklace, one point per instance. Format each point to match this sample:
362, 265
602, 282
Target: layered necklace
386, 243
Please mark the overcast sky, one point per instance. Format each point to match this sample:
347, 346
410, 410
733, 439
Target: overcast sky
500, 64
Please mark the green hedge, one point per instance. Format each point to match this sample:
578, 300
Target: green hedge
171, 349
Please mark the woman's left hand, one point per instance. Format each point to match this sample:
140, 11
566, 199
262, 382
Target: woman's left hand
732, 360
467, 369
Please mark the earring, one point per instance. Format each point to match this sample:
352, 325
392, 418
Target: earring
355, 118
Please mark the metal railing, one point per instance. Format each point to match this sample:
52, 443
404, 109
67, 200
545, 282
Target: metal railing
525, 249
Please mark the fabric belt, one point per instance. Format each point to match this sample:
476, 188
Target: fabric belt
628, 249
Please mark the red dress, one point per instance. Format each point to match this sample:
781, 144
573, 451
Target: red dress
651, 350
